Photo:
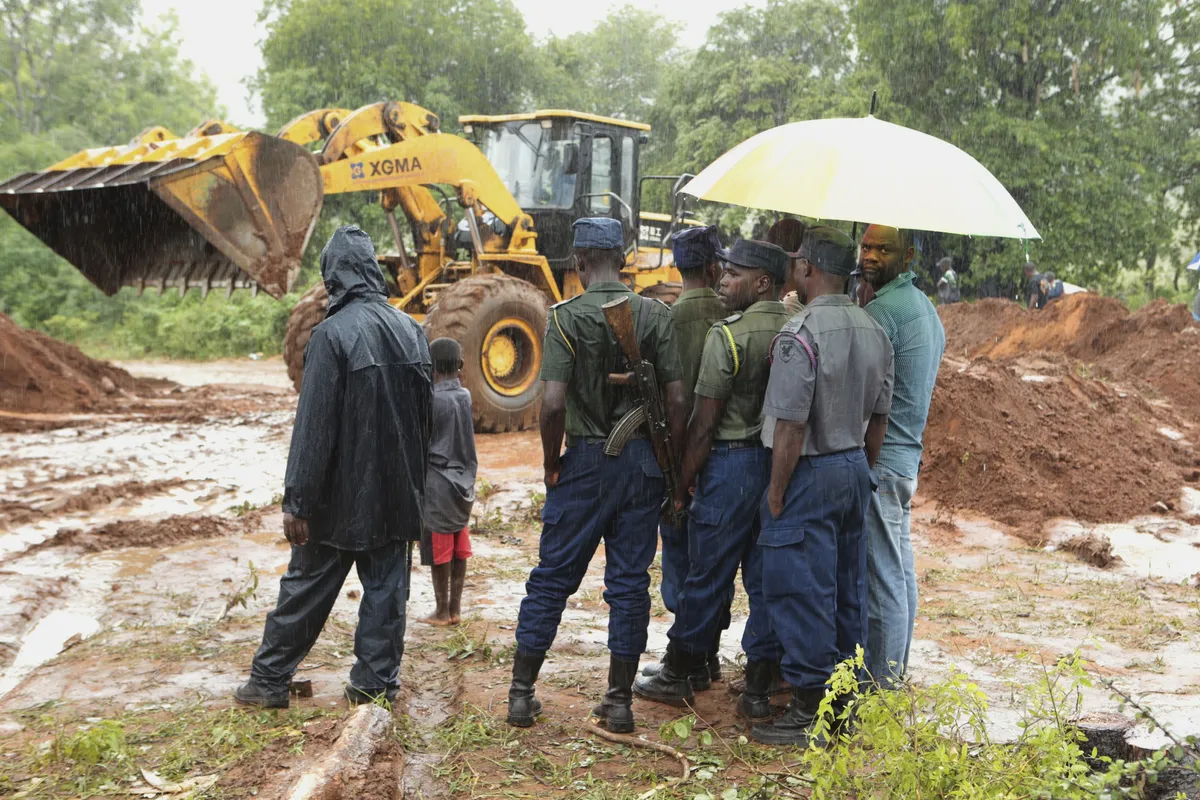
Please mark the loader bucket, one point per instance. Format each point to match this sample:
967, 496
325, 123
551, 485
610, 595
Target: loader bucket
231, 210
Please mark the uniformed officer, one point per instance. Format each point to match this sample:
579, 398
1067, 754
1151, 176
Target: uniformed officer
726, 461
827, 402
591, 496
695, 256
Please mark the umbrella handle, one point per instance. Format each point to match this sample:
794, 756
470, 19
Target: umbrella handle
874, 97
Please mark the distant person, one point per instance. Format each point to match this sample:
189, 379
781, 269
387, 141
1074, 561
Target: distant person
918, 340
449, 483
947, 285
355, 480
1035, 293
788, 233
1053, 287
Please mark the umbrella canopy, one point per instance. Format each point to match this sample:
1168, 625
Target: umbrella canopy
1195, 262
864, 170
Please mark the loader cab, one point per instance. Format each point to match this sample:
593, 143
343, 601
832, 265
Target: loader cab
564, 165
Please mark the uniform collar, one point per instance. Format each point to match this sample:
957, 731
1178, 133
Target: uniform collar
692, 294
608, 286
768, 306
831, 300
447, 386
896, 282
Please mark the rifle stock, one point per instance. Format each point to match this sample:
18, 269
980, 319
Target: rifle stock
650, 412
619, 315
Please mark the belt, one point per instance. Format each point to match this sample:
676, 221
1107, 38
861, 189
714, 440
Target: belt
576, 441
736, 444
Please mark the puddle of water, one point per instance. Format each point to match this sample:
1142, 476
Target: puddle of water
1171, 434
44, 642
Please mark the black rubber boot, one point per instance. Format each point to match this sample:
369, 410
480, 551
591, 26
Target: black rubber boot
523, 707
795, 725
255, 694
357, 696
616, 712
671, 685
701, 677
755, 702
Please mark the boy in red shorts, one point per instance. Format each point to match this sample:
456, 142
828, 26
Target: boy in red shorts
449, 482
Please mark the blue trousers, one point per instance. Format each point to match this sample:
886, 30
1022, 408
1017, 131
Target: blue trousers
814, 565
722, 528
598, 497
674, 562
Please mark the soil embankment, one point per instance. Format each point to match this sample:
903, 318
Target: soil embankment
41, 374
1081, 410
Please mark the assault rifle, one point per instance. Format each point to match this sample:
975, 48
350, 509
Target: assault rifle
649, 410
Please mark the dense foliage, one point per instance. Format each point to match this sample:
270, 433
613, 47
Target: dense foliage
1086, 112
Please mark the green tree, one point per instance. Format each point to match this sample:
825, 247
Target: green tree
758, 68
1045, 94
615, 69
459, 57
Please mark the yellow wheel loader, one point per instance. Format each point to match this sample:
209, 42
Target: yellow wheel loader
488, 219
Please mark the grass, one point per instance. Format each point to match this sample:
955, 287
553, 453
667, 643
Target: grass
67, 757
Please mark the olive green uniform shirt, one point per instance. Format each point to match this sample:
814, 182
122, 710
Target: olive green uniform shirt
581, 351
693, 315
734, 367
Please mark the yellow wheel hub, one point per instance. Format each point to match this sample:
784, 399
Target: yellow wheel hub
501, 356
511, 356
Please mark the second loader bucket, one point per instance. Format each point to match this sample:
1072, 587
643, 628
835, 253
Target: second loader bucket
231, 210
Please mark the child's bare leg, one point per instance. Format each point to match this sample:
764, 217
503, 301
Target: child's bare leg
441, 593
458, 576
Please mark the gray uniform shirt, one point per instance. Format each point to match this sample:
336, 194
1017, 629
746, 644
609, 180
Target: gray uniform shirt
831, 369
450, 478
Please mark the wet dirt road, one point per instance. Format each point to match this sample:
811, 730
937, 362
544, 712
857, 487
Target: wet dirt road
138, 557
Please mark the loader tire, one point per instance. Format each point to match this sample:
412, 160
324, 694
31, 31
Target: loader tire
499, 321
666, 292
305, 316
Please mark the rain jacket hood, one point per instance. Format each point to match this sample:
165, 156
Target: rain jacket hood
356, 469
350, 269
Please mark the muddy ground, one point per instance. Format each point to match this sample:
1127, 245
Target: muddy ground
140, 551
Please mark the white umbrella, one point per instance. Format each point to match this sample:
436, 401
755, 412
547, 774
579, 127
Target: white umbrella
864, 170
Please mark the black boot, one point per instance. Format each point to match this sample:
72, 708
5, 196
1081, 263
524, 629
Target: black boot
251, 693
671, 684
794, 726
523, 707
755, 702
701, 677
616, 712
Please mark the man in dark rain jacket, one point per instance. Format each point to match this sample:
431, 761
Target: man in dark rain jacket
355, 479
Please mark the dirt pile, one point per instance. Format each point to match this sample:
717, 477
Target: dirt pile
1156, 349
38, 373
1028, 440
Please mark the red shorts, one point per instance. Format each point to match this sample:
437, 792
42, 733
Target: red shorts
451, 545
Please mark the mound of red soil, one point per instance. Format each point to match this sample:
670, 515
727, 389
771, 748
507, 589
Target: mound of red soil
140, 533
41, 374
1156, 349
1062, 445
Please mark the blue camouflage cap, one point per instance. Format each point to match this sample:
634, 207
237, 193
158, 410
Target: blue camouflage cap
599, 233
694, 248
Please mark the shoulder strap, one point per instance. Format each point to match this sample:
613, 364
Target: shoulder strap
639, 327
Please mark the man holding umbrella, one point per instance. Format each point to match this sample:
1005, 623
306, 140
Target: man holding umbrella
918, 340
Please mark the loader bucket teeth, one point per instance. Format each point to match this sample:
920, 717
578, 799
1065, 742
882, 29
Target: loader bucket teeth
230, 210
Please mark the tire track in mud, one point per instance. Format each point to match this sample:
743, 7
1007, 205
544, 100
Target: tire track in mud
433, 694
17, 512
